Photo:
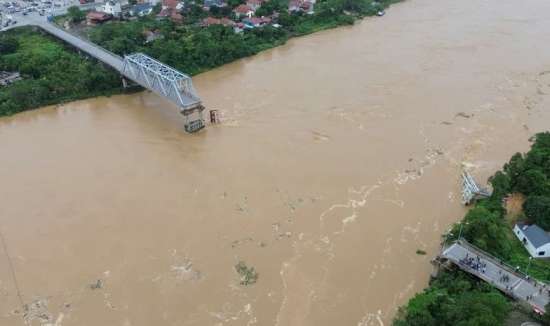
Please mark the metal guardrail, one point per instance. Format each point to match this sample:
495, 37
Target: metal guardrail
85, 40
510, 269
58, 32
521, 279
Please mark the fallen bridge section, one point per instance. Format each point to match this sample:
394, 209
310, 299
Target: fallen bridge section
471, 190
493, 271
152, 74
162, 79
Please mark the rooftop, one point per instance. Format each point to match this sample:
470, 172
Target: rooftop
170, 3
142, 7
243, 9
96, 15
537, 236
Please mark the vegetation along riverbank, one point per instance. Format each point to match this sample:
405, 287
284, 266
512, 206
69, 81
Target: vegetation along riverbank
521, 194
51, 73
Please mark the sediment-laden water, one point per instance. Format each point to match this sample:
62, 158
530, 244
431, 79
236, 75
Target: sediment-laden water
339, 156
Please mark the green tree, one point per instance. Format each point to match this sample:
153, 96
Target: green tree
8, 44
75, 14
454, 298
546, 317
500, 182
532, 181
485, 229
269, 7
537, 209
235, 3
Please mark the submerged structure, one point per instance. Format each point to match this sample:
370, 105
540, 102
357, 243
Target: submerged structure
167, 82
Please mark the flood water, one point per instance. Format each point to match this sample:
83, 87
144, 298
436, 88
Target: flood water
338, 157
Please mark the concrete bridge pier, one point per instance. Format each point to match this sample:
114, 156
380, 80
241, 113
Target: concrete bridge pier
194, 120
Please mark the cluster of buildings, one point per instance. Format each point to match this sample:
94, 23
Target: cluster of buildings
245, 14
242, 17
7, 78
113, 9
117, 9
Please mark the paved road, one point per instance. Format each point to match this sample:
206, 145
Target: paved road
492, 271
176, 91
93, 50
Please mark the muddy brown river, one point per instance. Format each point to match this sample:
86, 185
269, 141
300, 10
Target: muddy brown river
338, 157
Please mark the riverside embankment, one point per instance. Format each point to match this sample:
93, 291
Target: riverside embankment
339, 157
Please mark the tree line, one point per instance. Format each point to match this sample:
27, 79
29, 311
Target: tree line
192, 48
51, 73
456, 298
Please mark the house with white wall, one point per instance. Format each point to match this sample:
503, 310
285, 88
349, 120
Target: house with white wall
534, 239
112, 8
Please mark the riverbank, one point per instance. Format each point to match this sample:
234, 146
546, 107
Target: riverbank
456, 297
193, 47
338, 157
54, 74
51, 73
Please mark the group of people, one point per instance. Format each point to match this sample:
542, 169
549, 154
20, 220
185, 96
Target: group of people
474, 263
480, 266
504, 278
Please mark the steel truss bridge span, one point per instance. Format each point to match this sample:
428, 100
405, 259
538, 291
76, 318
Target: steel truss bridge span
152, 74
162, 79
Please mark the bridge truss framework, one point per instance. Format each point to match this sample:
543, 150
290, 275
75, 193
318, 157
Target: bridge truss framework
167, 82
471, 190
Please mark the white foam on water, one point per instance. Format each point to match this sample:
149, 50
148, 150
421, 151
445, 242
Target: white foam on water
371, 319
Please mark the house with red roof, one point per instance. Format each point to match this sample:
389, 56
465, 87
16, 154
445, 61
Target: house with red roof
170, 10
209, 21
301, 6
243, 10
173, 4
96, 17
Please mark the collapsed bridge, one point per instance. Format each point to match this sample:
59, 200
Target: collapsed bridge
152, 74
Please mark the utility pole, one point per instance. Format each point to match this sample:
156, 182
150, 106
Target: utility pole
528, 265
461, 226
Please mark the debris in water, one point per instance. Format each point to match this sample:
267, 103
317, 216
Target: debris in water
447, 123
97, 285
287, 234
186, 272
248, 274
236, 243
320, 136
464, 115
244, 206
420, 252
38, 309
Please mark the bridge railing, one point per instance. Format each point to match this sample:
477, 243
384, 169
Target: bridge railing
495, 260
56, 28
